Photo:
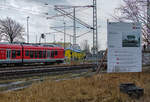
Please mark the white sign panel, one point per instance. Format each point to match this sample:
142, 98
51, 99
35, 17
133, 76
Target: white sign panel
124, 47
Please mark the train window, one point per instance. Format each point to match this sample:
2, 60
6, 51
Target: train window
44, 54
36, 53
56, 53
8, 53
31, 54
52, 54
27, 52
13, 54
40, 54
71, 53
18, 53
48, 54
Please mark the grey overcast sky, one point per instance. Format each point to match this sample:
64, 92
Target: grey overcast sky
35, 9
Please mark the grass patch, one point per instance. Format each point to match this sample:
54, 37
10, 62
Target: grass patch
99, 88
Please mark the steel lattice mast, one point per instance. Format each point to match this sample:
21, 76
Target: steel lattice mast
95, 37
60, 9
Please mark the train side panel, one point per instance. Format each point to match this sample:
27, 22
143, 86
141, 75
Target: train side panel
42, 54
10, 53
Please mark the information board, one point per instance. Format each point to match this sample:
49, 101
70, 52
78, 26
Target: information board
124, 47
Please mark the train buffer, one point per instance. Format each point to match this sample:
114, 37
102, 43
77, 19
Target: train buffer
132, 90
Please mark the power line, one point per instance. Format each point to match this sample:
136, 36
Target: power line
59, 15
34, 12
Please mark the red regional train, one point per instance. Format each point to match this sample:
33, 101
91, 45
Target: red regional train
30, 53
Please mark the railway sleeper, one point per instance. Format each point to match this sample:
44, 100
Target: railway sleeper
32, 71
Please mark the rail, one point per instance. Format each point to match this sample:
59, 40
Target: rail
15, 72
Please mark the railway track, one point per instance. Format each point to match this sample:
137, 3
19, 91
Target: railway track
18, 72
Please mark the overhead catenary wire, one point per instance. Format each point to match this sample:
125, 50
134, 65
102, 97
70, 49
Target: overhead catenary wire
23, 10
62, 10
59, 15
26, 12
71, 16
34, 12
72, 35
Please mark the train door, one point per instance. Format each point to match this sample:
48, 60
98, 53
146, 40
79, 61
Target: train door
52, 54
2, 54
48, 54
8, 55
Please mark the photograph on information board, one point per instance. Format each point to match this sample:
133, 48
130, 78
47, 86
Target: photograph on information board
130, 40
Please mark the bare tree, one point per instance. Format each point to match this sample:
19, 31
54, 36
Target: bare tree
135, 11
10, 30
